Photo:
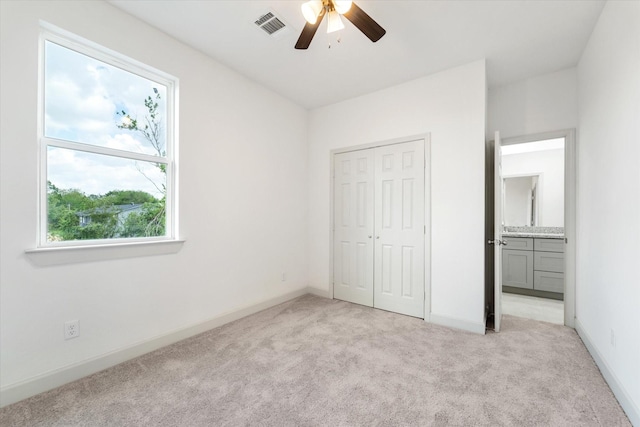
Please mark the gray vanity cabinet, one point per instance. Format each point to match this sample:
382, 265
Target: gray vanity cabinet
517, 263
548, 264
534, 266
548, 245
548, 281
548, 261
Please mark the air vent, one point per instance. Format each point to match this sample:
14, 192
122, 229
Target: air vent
264, 18
270, 23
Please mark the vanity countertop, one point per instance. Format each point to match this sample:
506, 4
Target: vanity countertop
532, 234
536, 232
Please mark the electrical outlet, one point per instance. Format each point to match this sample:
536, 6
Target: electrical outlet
613, 338
71, 329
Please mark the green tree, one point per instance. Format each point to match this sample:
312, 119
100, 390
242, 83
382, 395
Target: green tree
66, 206
152, 220
127, 197
63, 204
103, 225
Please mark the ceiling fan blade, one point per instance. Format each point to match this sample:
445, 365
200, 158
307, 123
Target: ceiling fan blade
365, 23
308, 32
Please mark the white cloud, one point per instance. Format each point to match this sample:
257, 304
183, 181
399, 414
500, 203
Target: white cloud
128, 143
98, 174
82, 96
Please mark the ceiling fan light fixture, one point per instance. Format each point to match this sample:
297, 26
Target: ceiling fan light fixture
334, 23
311, 10
314, 12
342, 6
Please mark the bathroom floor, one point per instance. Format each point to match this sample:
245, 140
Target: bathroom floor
543, 309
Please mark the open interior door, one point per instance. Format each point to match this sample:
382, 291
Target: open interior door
497, 238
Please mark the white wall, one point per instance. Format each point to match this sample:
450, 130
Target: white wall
243, 175
550, 165
451, 106
539, 104
608, 227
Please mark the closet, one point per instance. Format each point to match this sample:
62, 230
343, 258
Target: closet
379, 227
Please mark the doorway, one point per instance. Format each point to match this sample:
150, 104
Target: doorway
538, 227
379, 227
533, 221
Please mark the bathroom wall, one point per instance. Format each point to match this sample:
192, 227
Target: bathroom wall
549, 164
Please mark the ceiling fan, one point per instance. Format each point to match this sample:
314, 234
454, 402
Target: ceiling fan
315, 10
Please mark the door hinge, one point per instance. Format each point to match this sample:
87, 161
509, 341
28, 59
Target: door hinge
425, 229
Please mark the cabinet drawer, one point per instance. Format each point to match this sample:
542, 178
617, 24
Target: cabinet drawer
548, 245
520, 243
548, 261
548, 281
517, 268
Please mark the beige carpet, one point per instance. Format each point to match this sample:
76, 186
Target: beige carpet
314, 361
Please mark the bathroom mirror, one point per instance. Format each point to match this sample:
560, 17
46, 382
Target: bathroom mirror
520, 200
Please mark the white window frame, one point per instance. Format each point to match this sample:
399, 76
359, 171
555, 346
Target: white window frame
78, 44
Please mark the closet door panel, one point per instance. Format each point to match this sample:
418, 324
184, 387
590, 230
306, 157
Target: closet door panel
353, 227
399, 228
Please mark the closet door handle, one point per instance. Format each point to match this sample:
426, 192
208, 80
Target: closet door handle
377, 237
369, 236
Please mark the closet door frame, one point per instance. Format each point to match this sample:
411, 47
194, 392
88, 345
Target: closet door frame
427, 209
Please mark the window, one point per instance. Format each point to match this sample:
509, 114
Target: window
107, 169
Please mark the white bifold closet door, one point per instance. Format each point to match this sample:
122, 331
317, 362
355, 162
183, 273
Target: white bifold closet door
379, 227
354, 228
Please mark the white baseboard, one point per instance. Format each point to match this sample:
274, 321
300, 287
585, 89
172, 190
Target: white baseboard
465, 325
628, 405
58, 377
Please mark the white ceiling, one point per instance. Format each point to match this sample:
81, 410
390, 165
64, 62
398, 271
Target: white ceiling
519, 39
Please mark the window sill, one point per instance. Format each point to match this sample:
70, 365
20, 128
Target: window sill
44, 257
